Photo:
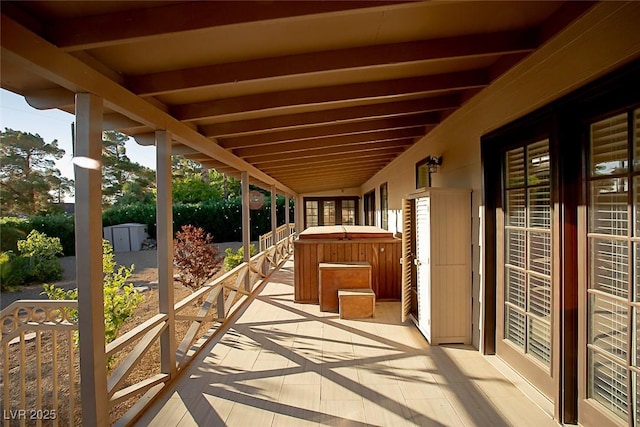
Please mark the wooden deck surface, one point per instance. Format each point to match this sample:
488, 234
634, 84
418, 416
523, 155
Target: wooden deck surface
287, 364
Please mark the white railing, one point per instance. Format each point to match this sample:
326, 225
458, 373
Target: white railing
31, 397
40, 374
266, 240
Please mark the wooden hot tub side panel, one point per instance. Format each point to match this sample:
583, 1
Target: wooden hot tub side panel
383, 255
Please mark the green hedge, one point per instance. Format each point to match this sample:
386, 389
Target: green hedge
222, 219
61, 225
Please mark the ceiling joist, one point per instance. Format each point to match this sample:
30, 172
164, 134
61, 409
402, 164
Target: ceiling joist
343, 129
506, 42
333, 94
88, 32
371, 111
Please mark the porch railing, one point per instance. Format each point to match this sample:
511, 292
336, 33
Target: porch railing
266, 240
40, 374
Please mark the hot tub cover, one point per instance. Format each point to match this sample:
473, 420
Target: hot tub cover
345, 232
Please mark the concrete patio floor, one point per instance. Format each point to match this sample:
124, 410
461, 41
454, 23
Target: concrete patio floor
289, 364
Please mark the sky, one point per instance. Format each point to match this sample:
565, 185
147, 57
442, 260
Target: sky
16, 114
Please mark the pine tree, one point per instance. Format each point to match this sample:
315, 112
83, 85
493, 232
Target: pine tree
28, 173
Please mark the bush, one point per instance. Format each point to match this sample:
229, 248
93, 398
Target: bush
12, 229
195, 260
38, 245
234, 259
12, 274
37, 261
120, 298
61, 226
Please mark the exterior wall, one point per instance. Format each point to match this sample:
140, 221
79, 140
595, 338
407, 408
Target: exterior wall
603, 39
299, 201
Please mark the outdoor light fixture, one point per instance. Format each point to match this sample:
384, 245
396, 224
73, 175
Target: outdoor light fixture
433, 162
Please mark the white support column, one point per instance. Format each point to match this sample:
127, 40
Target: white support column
88, 230
274, 215
164, 234
286, 213
246, 226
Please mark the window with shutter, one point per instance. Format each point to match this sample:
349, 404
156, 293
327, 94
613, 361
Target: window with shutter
613, 289
384, 206
527, 246
321, 211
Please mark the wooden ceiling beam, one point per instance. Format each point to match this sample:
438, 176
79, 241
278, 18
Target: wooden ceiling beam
372, 111
345, 151
505, 42
322, 172
345, 181
350, 182
129, 26
385, 153
330, 94
365, 126
345, 143
335, 164
330, 160
341, 182
377, 165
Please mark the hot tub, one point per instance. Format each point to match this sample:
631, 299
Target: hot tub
350, 243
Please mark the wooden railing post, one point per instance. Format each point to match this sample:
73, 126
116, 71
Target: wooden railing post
88, 226
164, 220
246, 226
274, 216
287, 231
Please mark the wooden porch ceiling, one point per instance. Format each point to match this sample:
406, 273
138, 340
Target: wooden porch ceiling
305, 95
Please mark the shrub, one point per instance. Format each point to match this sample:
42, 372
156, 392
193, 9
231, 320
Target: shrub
12, 229
37, 261
11, 274
38, 245
194, 258
120, 298
234, 259
61, 226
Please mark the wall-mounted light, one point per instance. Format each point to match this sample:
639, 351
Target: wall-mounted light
433, 162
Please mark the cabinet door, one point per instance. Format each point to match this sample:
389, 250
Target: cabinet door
423, 263
409, 295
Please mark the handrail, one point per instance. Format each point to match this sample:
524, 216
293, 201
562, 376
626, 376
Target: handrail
221, 299
37, 341
266, 240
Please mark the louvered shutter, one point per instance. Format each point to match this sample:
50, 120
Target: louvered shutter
407, 257
610, 256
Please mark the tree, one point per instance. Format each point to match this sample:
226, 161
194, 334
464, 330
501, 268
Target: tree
120, 176
28, 173
193, 183
230, 187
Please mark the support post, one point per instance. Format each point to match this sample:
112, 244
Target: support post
299, 221
287, 220
88, 226
246, 226
274, 215
164, 234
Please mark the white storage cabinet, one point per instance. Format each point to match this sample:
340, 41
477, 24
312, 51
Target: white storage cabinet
437, 264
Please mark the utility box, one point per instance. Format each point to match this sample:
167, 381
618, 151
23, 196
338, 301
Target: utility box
126, 237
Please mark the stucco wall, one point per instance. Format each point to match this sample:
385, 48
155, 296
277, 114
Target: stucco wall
603, 39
